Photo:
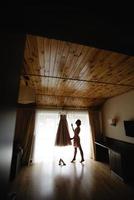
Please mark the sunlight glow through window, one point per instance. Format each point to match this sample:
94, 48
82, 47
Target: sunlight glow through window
45, 133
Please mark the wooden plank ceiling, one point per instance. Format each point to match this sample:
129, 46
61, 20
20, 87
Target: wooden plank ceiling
68, 75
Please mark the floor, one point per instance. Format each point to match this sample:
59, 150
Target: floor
90, 180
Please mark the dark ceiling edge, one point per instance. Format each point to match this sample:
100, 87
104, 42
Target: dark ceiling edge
109, 27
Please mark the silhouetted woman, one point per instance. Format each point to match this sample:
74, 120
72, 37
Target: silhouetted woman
76, 141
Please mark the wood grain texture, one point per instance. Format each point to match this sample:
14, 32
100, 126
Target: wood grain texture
62, 73
90, 180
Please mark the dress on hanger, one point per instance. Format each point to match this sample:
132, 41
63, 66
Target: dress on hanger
63, 136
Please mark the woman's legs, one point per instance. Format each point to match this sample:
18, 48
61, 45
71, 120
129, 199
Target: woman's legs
75, 152
81, 152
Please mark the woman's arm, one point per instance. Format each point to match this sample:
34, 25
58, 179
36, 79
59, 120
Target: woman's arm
73, 131
72, 127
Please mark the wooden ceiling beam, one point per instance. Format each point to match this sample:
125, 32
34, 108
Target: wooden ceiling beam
80, 97
81, 80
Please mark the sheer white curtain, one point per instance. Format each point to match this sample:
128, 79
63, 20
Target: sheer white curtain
45, 129
46, 126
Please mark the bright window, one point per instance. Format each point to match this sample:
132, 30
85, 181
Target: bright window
45, 133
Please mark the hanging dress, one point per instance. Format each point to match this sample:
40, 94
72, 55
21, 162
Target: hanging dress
62, 136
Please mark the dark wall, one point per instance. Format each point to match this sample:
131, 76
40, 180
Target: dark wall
11, 55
